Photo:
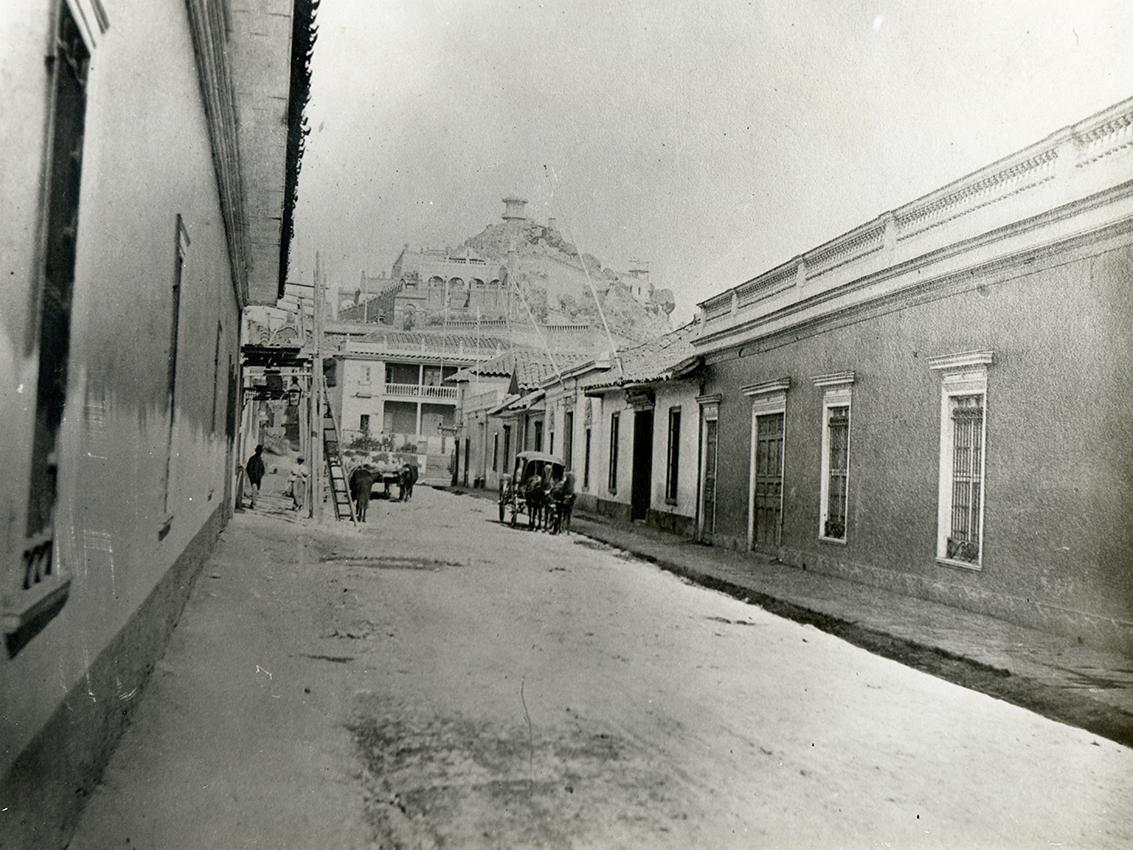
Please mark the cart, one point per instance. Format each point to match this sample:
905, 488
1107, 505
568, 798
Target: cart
513, 501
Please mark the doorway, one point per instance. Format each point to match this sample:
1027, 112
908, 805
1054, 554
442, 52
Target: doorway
767, 487
642, 482
708, 485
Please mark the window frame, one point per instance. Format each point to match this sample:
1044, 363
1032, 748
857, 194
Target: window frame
962, 375
838, 393
615, 435
673, 456
586, 459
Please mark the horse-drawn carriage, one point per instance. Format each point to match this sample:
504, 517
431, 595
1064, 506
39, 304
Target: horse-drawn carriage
513, 488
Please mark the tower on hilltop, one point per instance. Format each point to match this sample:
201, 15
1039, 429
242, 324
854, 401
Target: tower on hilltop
514, 208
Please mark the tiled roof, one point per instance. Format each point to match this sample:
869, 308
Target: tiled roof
439, 343
653, 360
531, 366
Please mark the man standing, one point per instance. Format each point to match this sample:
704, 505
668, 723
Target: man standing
298, 478
412, 481
255, 470
361, 480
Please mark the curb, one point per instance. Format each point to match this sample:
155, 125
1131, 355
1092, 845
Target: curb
1054, 703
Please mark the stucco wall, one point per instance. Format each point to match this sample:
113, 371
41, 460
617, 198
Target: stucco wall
682, 396
147, 158
1059, 471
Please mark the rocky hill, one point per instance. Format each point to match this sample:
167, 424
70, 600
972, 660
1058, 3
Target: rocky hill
552, 275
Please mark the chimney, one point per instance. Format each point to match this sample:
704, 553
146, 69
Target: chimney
513, 208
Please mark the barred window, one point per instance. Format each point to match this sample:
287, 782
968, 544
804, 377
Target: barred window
613, 482
837, 471
967, 421
963, 437
586, 463
673, 455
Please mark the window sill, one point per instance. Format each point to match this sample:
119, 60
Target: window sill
669, 501
840, 541
37, 607
964, 565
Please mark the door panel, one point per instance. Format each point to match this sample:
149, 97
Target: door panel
768, 495
709, 489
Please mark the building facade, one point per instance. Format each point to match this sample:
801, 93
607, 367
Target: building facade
129, 257
939, 401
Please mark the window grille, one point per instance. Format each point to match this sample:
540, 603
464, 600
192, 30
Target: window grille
838, 461
586, 463
967, 478
568, 439
672, 465
613, 482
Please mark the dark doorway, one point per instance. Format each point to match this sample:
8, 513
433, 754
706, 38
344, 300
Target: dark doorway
467, 458
768, 496
708, 487
642, 464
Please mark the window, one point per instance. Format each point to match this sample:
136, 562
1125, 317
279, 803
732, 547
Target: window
40, 589
586, 463
613, 482
539, 435
963, 433
507, 444
215, 378
834, 484
551, 441
673, 455
364, 423
181, 246
568, 438
495, 451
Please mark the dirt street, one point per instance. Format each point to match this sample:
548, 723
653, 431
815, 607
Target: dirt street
440, 680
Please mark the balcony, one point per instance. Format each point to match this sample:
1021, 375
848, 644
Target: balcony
424, 392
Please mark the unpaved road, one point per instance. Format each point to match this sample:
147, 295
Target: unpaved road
439, 680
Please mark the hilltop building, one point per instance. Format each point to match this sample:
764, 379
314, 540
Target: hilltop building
513, 273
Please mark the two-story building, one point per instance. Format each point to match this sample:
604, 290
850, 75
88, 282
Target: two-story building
390, 386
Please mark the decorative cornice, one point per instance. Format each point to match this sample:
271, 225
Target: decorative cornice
1039, 186
750, 329
963, 360
711, 398
834, 379
776, 385
206, 22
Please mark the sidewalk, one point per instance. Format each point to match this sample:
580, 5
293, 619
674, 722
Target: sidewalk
1049, 674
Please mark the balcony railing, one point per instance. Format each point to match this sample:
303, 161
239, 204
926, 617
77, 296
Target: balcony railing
422, 391
1092, 156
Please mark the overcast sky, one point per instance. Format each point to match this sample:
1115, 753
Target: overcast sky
713, 139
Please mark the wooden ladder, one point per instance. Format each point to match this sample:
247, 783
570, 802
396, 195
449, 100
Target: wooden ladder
339, 486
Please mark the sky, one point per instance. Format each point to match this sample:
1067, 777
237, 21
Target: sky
713, 139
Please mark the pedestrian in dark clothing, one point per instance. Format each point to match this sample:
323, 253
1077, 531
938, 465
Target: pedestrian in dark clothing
361, 480
410, 481
533, 495
565, 503
255, 470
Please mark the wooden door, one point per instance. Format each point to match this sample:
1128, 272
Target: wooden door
708, 525
767, 499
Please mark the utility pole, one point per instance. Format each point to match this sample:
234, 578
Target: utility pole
317, 396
